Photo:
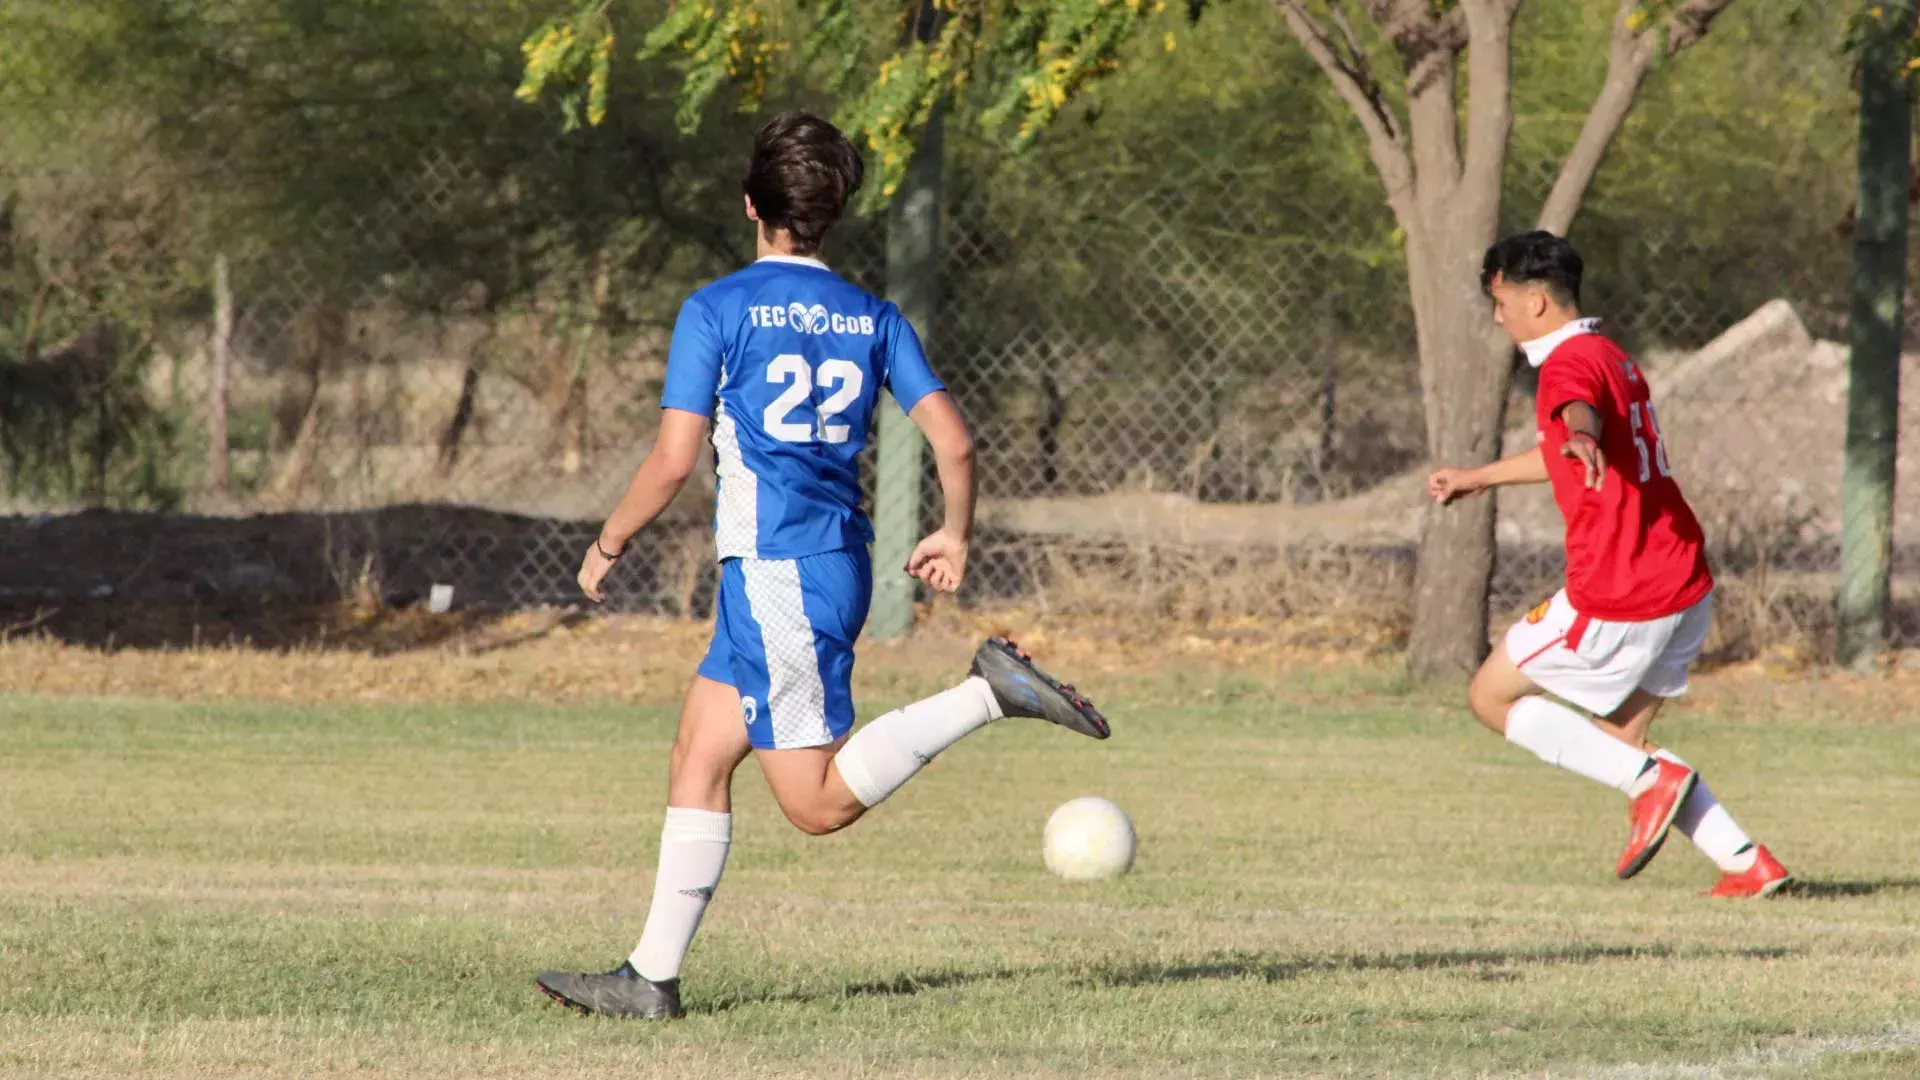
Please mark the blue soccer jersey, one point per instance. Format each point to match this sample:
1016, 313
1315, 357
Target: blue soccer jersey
789, 359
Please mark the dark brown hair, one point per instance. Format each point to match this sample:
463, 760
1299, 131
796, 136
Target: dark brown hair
1535, 257
803, 172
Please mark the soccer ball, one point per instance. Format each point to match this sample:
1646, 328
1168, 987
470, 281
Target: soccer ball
1089, 838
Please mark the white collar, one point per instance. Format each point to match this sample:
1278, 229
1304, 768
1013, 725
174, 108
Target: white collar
797, 260
1540, 348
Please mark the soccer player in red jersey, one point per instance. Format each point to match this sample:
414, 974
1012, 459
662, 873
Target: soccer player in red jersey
1617, 640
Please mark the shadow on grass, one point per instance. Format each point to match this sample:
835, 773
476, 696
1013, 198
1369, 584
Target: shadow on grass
1486, 963
1840, 890
1492, 965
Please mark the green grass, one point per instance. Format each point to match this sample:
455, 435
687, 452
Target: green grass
1336, 878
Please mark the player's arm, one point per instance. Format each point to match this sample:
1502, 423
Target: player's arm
941, 559
692, 382
1527, 467
1583, 440
676, 450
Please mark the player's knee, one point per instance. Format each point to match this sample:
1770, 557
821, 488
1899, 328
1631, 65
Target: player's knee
817, 819
1489, 705
693, 763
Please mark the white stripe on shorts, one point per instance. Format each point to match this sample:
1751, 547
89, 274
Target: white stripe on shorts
796, 698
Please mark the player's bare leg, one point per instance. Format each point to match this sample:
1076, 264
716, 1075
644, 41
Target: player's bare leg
1746, 868
1495, 688
1506, 700
823, 789
694, 841
809, 789
709, 746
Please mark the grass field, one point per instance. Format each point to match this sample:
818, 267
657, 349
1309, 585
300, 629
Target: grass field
1338, 877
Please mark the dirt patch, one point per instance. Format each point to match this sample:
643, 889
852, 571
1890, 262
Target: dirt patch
563, 657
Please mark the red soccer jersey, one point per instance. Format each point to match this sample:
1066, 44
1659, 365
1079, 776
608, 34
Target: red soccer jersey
1634, 549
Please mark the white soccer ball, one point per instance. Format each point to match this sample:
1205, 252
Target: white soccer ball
1089, 838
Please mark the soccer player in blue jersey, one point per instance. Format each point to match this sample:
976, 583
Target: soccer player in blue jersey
785, 360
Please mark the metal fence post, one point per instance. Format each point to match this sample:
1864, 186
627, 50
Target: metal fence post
913, 282
1873, 375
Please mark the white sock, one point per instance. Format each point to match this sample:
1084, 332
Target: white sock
1705, 822
1565, 738
693, 852
887, 752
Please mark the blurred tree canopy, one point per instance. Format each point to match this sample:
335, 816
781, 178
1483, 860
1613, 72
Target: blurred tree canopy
1023, 62
339, 152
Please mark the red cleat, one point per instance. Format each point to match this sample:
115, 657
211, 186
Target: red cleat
1764, 878
1653, 811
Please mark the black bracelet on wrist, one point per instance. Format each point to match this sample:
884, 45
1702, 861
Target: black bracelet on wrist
610, 557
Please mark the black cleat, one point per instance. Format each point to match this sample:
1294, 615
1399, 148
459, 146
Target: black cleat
620, 992
1024, 690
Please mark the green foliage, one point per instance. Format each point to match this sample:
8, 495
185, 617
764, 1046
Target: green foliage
583, 44
341, 155
1022, 61
1888, 21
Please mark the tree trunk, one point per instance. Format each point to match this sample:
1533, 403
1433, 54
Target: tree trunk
1873, 386
218, 385
318, 331
574, 426
1049, 439
1464, 359
456, 429
293, 471
1466, 364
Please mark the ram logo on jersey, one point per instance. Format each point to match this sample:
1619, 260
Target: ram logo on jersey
810, 320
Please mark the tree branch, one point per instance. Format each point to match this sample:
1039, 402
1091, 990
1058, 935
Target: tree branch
1428, 42
1353, 80
1628, 61
1689, 24
1489, 105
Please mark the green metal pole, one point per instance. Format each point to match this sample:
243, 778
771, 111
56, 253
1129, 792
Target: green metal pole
1864, 596
913, 282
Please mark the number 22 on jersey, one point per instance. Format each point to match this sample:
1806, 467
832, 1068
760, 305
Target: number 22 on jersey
842, 376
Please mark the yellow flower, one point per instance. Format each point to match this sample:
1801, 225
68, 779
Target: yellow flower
1169, 41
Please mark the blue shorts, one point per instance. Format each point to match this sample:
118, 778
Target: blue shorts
783, 636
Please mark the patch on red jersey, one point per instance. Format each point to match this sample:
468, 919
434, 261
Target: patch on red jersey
1540, 612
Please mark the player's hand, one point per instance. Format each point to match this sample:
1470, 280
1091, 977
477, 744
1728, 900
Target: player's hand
940, 560
593, 571
1586, 451
1446, 485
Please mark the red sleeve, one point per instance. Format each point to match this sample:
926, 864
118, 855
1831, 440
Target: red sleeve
1573, 373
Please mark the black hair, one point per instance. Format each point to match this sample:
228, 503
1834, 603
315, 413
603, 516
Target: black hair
803, 172
1537, 257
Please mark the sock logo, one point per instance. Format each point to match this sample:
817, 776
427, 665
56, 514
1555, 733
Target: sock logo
703, 894
750, 709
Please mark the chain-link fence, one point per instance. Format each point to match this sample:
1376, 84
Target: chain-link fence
1185, 346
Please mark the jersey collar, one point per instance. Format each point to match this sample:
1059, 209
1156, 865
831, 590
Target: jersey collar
1540, 348
797, 260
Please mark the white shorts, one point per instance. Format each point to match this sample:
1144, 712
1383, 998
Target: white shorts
1598, 664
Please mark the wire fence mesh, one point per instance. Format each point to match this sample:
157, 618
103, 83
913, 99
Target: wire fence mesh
1193, 378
